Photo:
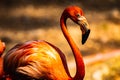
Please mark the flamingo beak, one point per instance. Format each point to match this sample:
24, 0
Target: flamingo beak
84, 26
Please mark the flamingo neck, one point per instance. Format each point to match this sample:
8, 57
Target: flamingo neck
76, 52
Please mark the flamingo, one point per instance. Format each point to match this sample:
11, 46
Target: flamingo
2, 48
36, 60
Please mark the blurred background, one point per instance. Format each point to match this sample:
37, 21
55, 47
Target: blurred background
24, 20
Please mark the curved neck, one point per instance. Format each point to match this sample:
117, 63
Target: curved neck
76, 52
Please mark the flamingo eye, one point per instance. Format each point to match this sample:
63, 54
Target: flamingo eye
78, 15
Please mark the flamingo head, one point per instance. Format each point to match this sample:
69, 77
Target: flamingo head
76, 14
2, 47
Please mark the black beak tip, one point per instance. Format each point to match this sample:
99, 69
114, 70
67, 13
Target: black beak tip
85, 36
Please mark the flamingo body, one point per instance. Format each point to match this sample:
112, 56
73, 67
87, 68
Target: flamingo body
38, 59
